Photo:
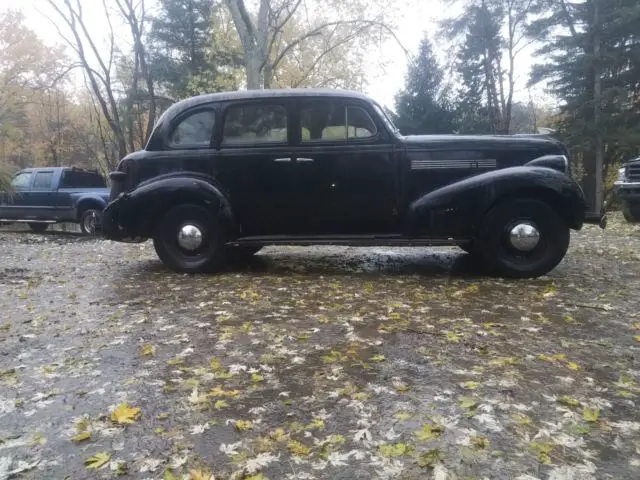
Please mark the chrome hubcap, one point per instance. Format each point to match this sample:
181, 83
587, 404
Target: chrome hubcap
524, 237
190, 237
90, 223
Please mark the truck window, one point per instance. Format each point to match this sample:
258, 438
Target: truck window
80, 179
43, 180
21, 180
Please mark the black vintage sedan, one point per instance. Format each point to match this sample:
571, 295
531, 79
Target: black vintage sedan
228, 173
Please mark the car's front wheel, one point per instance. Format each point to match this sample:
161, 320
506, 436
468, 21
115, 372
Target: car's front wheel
631, 212
189, 239
522, 238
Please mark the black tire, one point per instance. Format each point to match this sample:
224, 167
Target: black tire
209, 256
88, 221
631, 212
503, 259
468, 247
241, 254
38, 227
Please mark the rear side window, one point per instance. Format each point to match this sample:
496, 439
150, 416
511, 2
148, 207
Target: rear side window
79, 179
43, 180
21, 180
194, 131
254, 124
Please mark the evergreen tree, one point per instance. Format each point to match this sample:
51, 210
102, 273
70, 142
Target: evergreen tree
181, 39
423, 107
592, 64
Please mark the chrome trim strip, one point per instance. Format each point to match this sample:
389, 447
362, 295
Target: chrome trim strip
427, 164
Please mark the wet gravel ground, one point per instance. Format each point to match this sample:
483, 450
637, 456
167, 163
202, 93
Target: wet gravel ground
327, 363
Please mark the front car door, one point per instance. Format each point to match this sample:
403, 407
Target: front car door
346, 169
254, 162
13, 206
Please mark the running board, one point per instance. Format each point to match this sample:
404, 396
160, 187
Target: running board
9, 220
347, 240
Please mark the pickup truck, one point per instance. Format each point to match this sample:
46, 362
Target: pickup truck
43, 196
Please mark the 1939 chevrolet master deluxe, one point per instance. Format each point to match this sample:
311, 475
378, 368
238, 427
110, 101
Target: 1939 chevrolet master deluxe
224, 174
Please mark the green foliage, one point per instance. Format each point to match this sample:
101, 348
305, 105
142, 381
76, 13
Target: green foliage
423, 106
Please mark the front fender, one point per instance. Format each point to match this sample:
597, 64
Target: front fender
135, 214
457, 209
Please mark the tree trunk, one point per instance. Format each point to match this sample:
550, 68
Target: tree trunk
253, 63
597, 82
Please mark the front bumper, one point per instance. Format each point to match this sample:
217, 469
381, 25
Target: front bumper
111, 225
627, 190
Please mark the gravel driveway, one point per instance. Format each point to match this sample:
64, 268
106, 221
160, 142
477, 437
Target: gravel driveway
317, 363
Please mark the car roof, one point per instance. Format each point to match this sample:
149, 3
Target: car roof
203, 99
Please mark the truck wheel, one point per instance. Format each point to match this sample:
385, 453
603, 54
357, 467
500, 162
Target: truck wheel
522, 238
39, 227
88, 221
189, 239
631, 212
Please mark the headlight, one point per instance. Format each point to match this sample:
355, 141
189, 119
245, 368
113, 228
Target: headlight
621, 172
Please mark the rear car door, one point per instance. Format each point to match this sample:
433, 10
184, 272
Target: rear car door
13, 206
346, 171
254, 163
41, 200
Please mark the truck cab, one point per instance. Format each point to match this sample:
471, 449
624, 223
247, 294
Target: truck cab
48, 195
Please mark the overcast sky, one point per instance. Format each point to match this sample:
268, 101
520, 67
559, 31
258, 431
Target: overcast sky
413, 21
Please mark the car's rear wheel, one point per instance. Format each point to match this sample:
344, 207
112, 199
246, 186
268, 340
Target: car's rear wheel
88, 221
631, 212
38, 227
189, 239
522, 238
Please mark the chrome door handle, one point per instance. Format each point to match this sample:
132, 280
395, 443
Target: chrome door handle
304, 159
284, 159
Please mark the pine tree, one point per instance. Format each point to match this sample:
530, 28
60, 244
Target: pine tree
592, 63
422, 106
180, 39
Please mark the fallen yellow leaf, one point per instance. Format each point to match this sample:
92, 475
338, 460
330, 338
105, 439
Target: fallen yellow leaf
125, 414
81, 436
97, 461
573, 366
148, 349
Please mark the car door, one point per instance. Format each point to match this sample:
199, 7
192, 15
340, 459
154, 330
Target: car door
13, 205
346, 172
41, 200
254, 163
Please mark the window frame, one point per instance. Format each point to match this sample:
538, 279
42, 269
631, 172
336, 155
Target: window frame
275, 101
178, 120
31, 175
345, 103
35, 178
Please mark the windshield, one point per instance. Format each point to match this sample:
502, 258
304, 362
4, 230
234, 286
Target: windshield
386, 119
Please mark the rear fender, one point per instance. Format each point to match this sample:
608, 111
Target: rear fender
152, 199
457, 209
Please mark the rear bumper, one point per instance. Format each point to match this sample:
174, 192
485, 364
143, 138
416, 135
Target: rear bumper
599, 219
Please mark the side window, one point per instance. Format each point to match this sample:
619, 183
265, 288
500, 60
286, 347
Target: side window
360, 123
195, 130
21, 180
333, 121
43, 180
79, 179
254, 124
323, 121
